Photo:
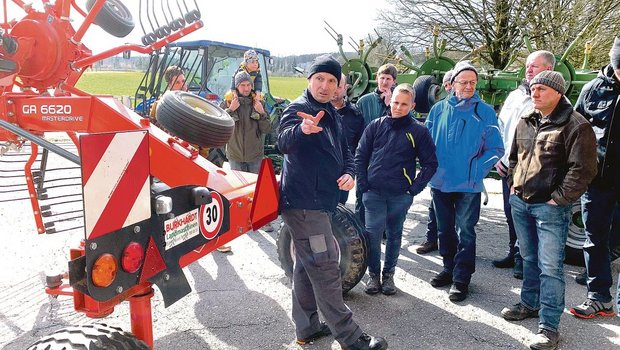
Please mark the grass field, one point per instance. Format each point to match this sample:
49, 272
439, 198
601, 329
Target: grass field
126, 83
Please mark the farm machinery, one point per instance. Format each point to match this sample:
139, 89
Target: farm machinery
494, 85
148, 203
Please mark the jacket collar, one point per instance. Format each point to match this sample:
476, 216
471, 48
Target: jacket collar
463, 104
559, 116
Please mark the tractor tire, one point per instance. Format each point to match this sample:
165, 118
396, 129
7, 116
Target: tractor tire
114, 18
350, 244
573, 252
194, 119
427, 92
90, 337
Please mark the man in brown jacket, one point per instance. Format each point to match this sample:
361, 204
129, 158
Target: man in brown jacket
245, 148
552, 161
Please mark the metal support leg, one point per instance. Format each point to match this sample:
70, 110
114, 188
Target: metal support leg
142, 317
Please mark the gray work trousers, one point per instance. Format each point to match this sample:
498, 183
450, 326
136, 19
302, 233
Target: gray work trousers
316, 277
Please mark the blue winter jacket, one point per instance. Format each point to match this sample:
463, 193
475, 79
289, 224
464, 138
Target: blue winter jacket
385, 159
468, 142
312, 163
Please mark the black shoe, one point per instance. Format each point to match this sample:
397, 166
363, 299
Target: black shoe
458, 292
507, 262
582, 278
545, 340
518, 312
374, 284
367, 342
517, 270
322, 332
442, 279
427, 247
387, 284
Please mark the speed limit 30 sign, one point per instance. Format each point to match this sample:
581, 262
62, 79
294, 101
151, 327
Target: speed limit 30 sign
212, 216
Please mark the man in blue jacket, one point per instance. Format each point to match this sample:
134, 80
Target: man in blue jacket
469, 143
386, 174
599, 102
317, 164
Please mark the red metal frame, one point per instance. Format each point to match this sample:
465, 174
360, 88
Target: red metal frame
50, 57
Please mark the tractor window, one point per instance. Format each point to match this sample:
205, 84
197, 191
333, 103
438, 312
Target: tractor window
222, 64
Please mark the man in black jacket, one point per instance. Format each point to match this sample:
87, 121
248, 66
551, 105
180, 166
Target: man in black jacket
352, 122
317, 164
599, 103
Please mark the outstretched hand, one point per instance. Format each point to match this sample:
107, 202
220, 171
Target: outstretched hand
310, 124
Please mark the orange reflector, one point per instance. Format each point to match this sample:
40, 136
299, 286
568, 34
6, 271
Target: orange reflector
133, 256
104, 270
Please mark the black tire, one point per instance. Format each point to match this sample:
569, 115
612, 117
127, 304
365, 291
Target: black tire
350, 243
91, 337
576, 237
427, 92
114, 18
194, 119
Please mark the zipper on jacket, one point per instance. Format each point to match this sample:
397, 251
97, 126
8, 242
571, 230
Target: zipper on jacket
410, 137
407, 176
529, 161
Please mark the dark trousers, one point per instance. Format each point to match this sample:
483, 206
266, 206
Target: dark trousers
360, 211
431, 227
512, 234
597, 206
457, 248
316, 277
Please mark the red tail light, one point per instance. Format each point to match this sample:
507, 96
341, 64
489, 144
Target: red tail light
133, 257
211, 97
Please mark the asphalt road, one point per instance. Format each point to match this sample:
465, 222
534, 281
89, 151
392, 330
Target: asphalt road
243, 300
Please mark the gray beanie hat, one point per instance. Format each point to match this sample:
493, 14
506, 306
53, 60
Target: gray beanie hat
460, 67
614, 54
325, 64
552, 79
242, 76
447, 77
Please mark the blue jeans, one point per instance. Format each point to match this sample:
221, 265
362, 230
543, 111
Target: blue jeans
384, 213
597, 206
542, 230
457, 247
248, 167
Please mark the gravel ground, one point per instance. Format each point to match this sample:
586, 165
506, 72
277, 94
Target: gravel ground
242, 300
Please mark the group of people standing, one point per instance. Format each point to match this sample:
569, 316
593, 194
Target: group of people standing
548, 154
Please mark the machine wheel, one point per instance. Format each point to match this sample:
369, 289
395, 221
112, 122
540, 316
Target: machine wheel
194, 119
114, 18
91, 337
427, 92
350, 243
576, 237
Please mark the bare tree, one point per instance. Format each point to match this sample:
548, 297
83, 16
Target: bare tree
496, 27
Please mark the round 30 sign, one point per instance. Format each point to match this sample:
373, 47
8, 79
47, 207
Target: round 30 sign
212, 216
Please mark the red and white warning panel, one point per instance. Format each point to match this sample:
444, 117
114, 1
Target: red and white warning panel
115, 180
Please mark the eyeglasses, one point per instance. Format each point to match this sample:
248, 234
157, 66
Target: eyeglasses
252, 60
465, 82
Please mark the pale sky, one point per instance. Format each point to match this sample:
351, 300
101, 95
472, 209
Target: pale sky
298, 30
